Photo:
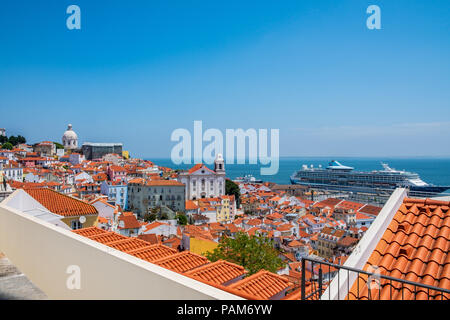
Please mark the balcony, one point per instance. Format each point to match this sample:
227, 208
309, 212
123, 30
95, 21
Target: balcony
317, 275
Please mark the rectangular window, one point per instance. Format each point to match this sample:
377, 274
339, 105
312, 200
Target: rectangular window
76, 224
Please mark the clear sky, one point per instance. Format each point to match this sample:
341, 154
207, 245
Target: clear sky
137, 70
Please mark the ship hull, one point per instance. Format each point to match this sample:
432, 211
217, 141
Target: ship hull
414, 190
431, 189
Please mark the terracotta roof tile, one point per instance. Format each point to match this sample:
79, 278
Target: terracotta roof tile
107, 237
218, 272
129, 222
182, 262
128, 244
199, 166
60, 203
91, 231
153, 252
414, 247
150, 238
369, 209
262, 285
164, 183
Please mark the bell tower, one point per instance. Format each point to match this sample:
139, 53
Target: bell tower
219, 164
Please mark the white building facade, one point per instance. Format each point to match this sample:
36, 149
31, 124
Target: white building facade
202, 182
13, 173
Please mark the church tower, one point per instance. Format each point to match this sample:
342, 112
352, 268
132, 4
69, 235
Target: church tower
219, 164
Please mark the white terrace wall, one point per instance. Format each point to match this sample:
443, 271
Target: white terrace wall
44, 253
337, 290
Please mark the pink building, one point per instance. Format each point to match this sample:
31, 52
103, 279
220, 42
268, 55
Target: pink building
116, 173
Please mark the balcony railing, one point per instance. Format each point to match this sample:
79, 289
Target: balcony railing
314, 287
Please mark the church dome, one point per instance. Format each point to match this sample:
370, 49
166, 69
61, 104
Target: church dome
70, 134
70, 138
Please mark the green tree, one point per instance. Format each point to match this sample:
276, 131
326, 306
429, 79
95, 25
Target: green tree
232, 188
149, 217
254, 252
7, 145
182, 219
21, 139
13, 140
58, 145
164, 216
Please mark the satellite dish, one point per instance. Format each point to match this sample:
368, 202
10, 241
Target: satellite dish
82, 219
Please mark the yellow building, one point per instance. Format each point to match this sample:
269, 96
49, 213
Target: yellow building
225, 210
200, 245
125, 154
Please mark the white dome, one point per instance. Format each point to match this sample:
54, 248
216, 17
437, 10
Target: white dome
70, 134
219, 157
70, 138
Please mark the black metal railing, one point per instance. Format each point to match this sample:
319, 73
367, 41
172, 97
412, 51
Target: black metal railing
314, 287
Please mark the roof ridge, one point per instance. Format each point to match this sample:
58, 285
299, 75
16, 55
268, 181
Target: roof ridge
426, 201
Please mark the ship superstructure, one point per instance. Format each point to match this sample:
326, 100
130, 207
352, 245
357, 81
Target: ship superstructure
339, 177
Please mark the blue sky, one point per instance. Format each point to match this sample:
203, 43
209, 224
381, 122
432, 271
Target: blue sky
137, 70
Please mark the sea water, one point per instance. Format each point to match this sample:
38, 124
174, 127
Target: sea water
431, 170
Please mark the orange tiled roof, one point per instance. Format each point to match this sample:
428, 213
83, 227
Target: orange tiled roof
60, 203
129, 222
149, 237
295, 243
414, 247
107, 237
191, 205
330, 202
89, 232
347, 241
285, 227
196, 231
369, 209
262, 285
254, 222
198, 166
182, 262
153, 252
128, 244
164, 183
218, 272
